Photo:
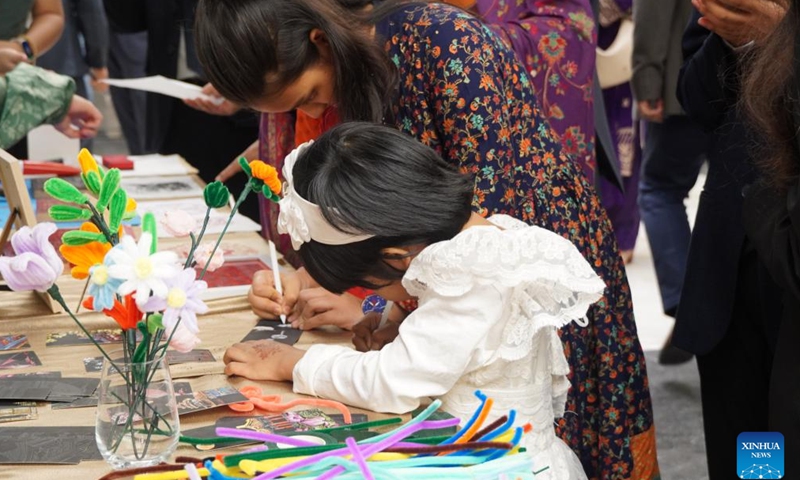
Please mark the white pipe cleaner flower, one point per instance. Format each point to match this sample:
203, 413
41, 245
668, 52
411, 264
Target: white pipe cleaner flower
140, 271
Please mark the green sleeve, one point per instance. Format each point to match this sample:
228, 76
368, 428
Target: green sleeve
31, 96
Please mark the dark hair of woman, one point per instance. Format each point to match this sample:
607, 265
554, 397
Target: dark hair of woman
373, 179
241, 43
771, 99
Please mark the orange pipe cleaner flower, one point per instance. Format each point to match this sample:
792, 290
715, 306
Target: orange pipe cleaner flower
268, 174
127, 315
84, 257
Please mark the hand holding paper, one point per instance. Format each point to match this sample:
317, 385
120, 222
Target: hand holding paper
165, 86
224, 108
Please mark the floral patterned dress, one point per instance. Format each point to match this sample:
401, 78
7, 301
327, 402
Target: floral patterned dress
463, 92
555, 40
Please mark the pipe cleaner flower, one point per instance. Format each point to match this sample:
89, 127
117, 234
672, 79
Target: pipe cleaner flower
184, 340
216, 194
86, 256
181, 301
203, 253
141, 271
177, 223
87, 162
36, 265
102, 287
267, 174
126, 314
263, 178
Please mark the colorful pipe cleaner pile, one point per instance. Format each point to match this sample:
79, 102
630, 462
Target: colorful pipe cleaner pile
474, 451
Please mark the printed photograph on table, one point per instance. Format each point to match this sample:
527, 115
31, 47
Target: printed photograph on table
19, 360
93, 364
294, 421
235, 272
47, 445
175, 357
274, 330
64, 339
207, 399
148, 188
13, 342
176, 218
17, 411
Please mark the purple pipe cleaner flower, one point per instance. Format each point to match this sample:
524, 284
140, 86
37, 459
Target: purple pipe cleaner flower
182, 301
36, 265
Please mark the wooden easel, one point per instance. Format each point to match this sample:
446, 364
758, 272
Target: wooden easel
20, 208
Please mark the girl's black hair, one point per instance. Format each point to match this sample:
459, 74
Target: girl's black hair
373, 179
241, 42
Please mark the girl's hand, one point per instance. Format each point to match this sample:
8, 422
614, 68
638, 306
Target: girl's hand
262, 360
317, 307
9, 59
233, 168
224, 109
368, 336
99, 74
266, 302
82, 120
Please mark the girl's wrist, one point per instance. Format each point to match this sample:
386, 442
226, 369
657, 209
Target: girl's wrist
288, 362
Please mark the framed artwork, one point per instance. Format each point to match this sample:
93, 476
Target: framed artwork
20, 208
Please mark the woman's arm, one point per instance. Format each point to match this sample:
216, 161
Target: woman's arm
47, 25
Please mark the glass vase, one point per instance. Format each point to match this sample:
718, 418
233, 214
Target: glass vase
137, 416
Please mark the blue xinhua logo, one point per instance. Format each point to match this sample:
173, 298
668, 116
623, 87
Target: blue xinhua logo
760, 455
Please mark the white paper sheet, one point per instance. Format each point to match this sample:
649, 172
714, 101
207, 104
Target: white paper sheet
47, 143
164, 86
158, 166
196, 208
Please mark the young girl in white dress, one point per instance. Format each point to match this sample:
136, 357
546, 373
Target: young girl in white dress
367, 206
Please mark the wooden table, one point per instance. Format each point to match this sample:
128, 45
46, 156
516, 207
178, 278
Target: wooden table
227, 322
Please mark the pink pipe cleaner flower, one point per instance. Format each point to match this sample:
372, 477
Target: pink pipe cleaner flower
202, 254
177, 223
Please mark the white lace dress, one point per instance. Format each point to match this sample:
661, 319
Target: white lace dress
490, 301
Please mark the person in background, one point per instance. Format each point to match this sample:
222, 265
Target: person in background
206, 141
621, 204
730, 310
32, 40
127, 58
82, 49
31, 96
674, 148
473, 102
555, 40
771, 208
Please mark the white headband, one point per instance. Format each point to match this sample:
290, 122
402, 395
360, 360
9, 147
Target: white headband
303, 220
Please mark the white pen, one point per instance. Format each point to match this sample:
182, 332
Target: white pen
385, 314
276, 274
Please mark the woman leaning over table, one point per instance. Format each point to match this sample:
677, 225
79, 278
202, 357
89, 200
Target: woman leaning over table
441, 76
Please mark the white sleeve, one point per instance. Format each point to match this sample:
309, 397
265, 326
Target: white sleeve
436, 345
